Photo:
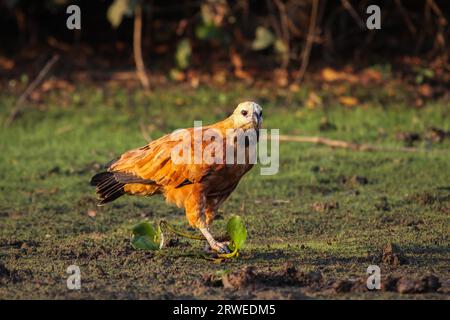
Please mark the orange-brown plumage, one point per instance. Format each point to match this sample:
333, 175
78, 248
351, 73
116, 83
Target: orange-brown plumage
198, 187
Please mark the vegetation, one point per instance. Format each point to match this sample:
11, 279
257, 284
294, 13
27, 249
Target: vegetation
328, 213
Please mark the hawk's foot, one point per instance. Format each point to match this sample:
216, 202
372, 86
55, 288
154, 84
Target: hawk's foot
220, 247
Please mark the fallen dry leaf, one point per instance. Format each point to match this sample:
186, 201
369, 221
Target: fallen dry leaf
313, 100
370, 76
426, 91
91, 213
348, 101
6, 64
281, 77
331, 75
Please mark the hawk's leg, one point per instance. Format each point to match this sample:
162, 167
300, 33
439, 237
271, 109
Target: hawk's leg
210, 212
220, 247
199, 216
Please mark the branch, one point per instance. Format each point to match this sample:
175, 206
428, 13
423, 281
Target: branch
284, 18
137, 47
348, 6
342, 144
31, 87
407, 19
309, 41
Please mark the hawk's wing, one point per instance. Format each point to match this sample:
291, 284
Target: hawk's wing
154, 162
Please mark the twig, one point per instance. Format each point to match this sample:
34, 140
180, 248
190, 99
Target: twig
342, 144
348, 6
408, 21
309, 41
33, 85
437, 11
137, 47
285, 32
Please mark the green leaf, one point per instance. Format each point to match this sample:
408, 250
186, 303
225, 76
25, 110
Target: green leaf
117, 10
264, 38
207, 31
237, 231
183, 53
207, 13
280, 46
146, 237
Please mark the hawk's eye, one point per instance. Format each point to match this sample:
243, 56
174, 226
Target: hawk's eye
244, 112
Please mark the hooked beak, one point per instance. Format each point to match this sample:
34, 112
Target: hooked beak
257, 119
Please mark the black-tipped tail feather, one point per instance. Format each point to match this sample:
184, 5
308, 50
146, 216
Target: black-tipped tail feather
108, 187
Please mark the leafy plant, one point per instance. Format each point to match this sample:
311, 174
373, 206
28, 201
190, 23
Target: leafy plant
183, 53
237, 231
146, 237
423, 74
263, 38
211, 24
117, 10
207, 31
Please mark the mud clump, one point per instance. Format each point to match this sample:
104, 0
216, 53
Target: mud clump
431, 283
323, 207
176, 243
392, 255
240, 279
389, 284
211, 280
341, 286
414, 285
408, 138
290, 276
437, 135
408, 285
424, 199
7, 275
326, 125
4, 271
383, 204
354, 181
445, 287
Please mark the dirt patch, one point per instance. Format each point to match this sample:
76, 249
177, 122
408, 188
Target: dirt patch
423, 198
431, 135
354, 181
445, 287
340, 286
407, 284
437, 135
327, 206
383, 204
251, 277
254, 279
326, 125
408, 138
392, 255
176, 243
22, 246
403, 285
438, 202
8, 275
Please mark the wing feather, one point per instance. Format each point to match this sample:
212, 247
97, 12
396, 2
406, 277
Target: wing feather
154, 162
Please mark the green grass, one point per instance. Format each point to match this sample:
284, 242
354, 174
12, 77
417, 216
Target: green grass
49, 154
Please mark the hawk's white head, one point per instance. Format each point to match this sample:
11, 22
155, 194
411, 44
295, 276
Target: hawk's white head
248, 115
